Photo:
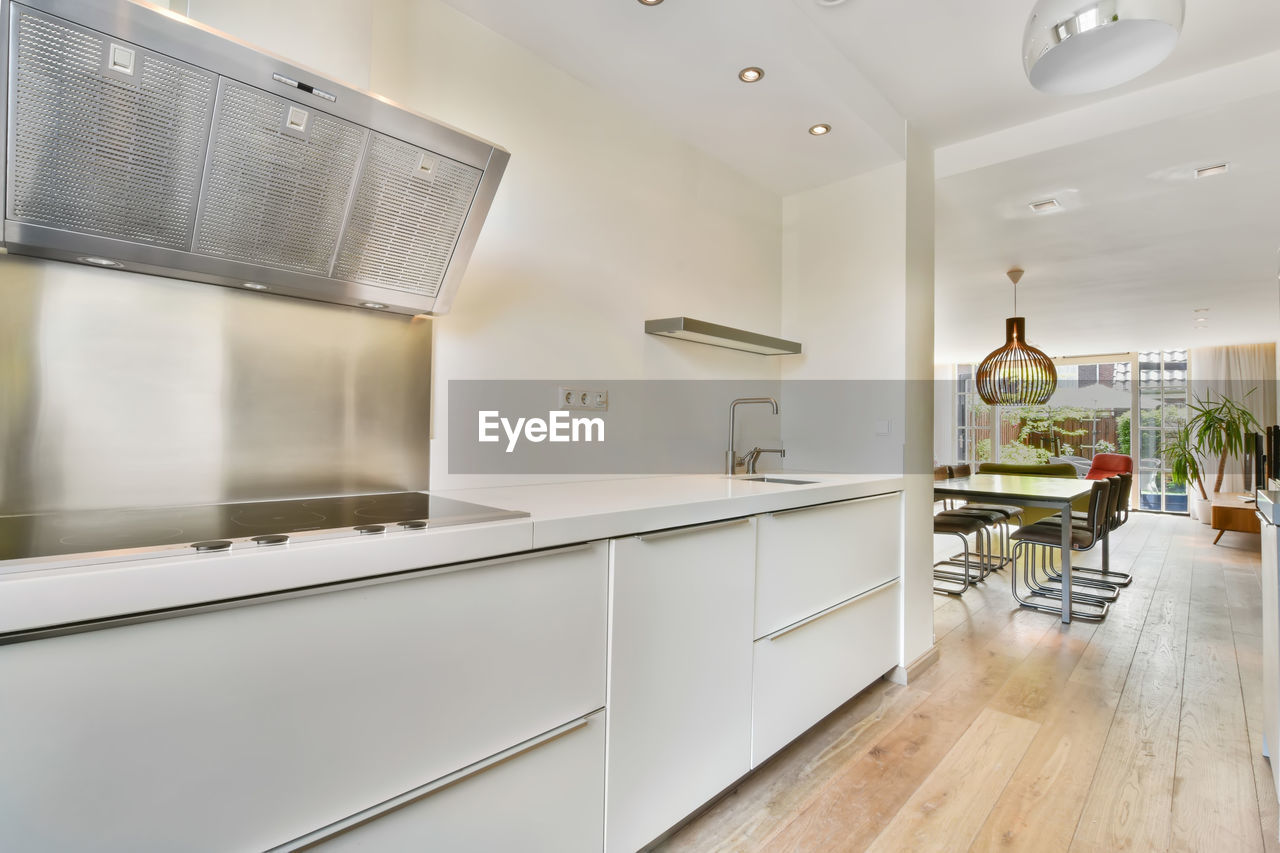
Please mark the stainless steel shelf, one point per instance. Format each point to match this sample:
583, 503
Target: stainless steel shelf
712, 334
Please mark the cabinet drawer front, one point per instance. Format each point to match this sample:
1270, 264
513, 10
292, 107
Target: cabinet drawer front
243, 728
805, 674
546, 799
680, 676
810, 559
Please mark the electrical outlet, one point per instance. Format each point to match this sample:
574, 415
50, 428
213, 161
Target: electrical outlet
582, 399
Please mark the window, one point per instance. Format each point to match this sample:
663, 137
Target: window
973, 418
1094, 410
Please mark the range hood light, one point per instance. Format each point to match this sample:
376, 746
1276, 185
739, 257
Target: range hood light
100, 262
253, 285
372, 305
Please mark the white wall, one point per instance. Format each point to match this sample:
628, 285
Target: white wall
918, 325
602, 221
332, 36
844, 255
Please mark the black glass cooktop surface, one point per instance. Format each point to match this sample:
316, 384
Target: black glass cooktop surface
93, 531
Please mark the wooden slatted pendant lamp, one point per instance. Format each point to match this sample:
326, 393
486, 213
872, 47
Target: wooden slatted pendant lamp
1017, 374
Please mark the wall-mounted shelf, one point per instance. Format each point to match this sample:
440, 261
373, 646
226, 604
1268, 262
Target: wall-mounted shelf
699, 331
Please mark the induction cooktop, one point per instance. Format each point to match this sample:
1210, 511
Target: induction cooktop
218, 527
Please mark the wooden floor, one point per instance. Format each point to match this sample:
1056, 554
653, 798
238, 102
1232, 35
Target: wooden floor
1139, 733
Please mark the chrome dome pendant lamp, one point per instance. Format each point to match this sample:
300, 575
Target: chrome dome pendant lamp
1070, 50
1017, 374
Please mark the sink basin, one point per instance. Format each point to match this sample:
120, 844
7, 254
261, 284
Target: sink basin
781, 480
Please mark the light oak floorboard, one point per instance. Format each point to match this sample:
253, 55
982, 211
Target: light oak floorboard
1214, 800
947, 809
1041, 805
1128, 806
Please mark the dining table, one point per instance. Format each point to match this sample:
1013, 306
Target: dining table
1025, 490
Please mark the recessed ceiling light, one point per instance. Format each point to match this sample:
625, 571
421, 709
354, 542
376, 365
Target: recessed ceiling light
372, 305
1210, 171
1202, 310
751, 74
820, 129
100, 262
1047, 206
650, 2
253, 285
828, 2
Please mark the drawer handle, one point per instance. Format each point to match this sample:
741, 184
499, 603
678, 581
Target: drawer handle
809, 620
1262, 517
681, 531
325, 833
810, 507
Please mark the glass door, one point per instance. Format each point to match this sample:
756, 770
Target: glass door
1162, 411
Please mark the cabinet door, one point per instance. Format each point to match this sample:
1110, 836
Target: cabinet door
679, 677
806, 671
1271, 649
240, 729
544, 796
812, 558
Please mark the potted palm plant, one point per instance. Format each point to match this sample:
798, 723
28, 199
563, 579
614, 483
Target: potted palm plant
1222, 429
1183, 460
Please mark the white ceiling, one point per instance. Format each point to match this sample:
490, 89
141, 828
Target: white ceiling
677, 63
951, 68
1139, 245
954, 69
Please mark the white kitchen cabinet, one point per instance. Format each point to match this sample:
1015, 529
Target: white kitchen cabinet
243, 728
805, 671
1271, 649
543, 796
680, 675
811, 558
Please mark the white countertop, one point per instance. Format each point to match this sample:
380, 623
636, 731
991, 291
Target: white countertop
599, 509
560, 514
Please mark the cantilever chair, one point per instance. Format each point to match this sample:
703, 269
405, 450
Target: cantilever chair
999, 516
1043, 537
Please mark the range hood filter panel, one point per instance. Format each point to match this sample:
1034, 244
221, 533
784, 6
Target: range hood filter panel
263, 174
402, 185
99, 151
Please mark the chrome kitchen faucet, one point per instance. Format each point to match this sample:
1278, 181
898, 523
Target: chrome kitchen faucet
731, 459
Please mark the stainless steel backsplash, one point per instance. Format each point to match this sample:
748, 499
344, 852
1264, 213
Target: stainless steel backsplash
121, 390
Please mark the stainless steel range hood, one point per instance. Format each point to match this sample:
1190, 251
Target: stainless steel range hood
138, 139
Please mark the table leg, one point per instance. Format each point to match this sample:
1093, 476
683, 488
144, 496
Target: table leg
1066, 562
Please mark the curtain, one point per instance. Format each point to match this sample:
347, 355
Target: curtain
1246, 373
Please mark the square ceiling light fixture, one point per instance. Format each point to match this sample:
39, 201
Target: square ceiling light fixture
1049, 205
1210, 171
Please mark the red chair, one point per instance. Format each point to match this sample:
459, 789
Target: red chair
1109, 465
